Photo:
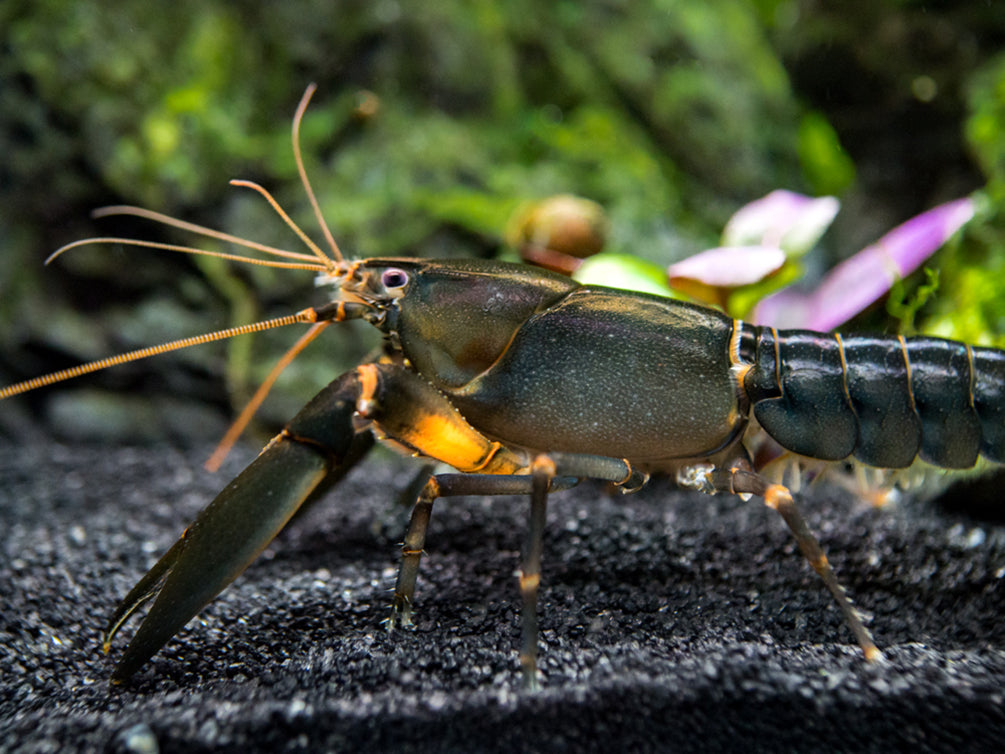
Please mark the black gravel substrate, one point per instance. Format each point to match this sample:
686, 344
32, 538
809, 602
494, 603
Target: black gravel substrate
670, 622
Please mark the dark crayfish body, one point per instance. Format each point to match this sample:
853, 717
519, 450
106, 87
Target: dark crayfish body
659, 381
525, 382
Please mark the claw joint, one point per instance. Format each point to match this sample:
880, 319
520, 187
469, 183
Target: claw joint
633, 481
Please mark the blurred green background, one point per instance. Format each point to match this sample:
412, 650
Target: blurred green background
432, 123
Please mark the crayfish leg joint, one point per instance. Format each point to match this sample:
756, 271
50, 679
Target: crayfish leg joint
697, 477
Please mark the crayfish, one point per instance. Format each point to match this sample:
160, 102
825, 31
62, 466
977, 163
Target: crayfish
525, 382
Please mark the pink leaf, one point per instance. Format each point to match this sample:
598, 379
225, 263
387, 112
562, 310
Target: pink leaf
862, 279
728, 266
784, 219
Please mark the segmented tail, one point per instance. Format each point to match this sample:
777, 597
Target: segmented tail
884, 400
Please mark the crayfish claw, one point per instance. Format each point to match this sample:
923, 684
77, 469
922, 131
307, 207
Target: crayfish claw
232, 531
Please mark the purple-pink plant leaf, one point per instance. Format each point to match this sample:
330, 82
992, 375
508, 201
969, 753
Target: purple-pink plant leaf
788, 308
783, 219
863, 278
728, 266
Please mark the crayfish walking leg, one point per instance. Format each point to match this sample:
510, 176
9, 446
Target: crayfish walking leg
544, 472
446, 485
740, 481
449, 485
548, 473
323, 442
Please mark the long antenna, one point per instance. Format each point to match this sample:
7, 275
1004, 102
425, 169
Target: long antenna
306, 315
316, 261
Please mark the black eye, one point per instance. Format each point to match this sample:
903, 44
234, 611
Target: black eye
392, 277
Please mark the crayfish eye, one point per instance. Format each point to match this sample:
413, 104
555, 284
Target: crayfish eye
393, 279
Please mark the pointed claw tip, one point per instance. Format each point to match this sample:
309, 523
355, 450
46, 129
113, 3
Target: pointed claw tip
122, 674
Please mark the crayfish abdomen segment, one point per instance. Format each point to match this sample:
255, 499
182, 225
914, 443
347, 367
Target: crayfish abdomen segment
989, 400
885, 400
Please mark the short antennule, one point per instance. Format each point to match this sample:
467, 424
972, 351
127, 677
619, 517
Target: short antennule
298, 157
317, 261
325, 260
310, 264
201, 230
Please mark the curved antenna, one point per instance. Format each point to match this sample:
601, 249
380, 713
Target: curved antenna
325, 260
317, 253
202, 230
317, 261
311, 265
297, 118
